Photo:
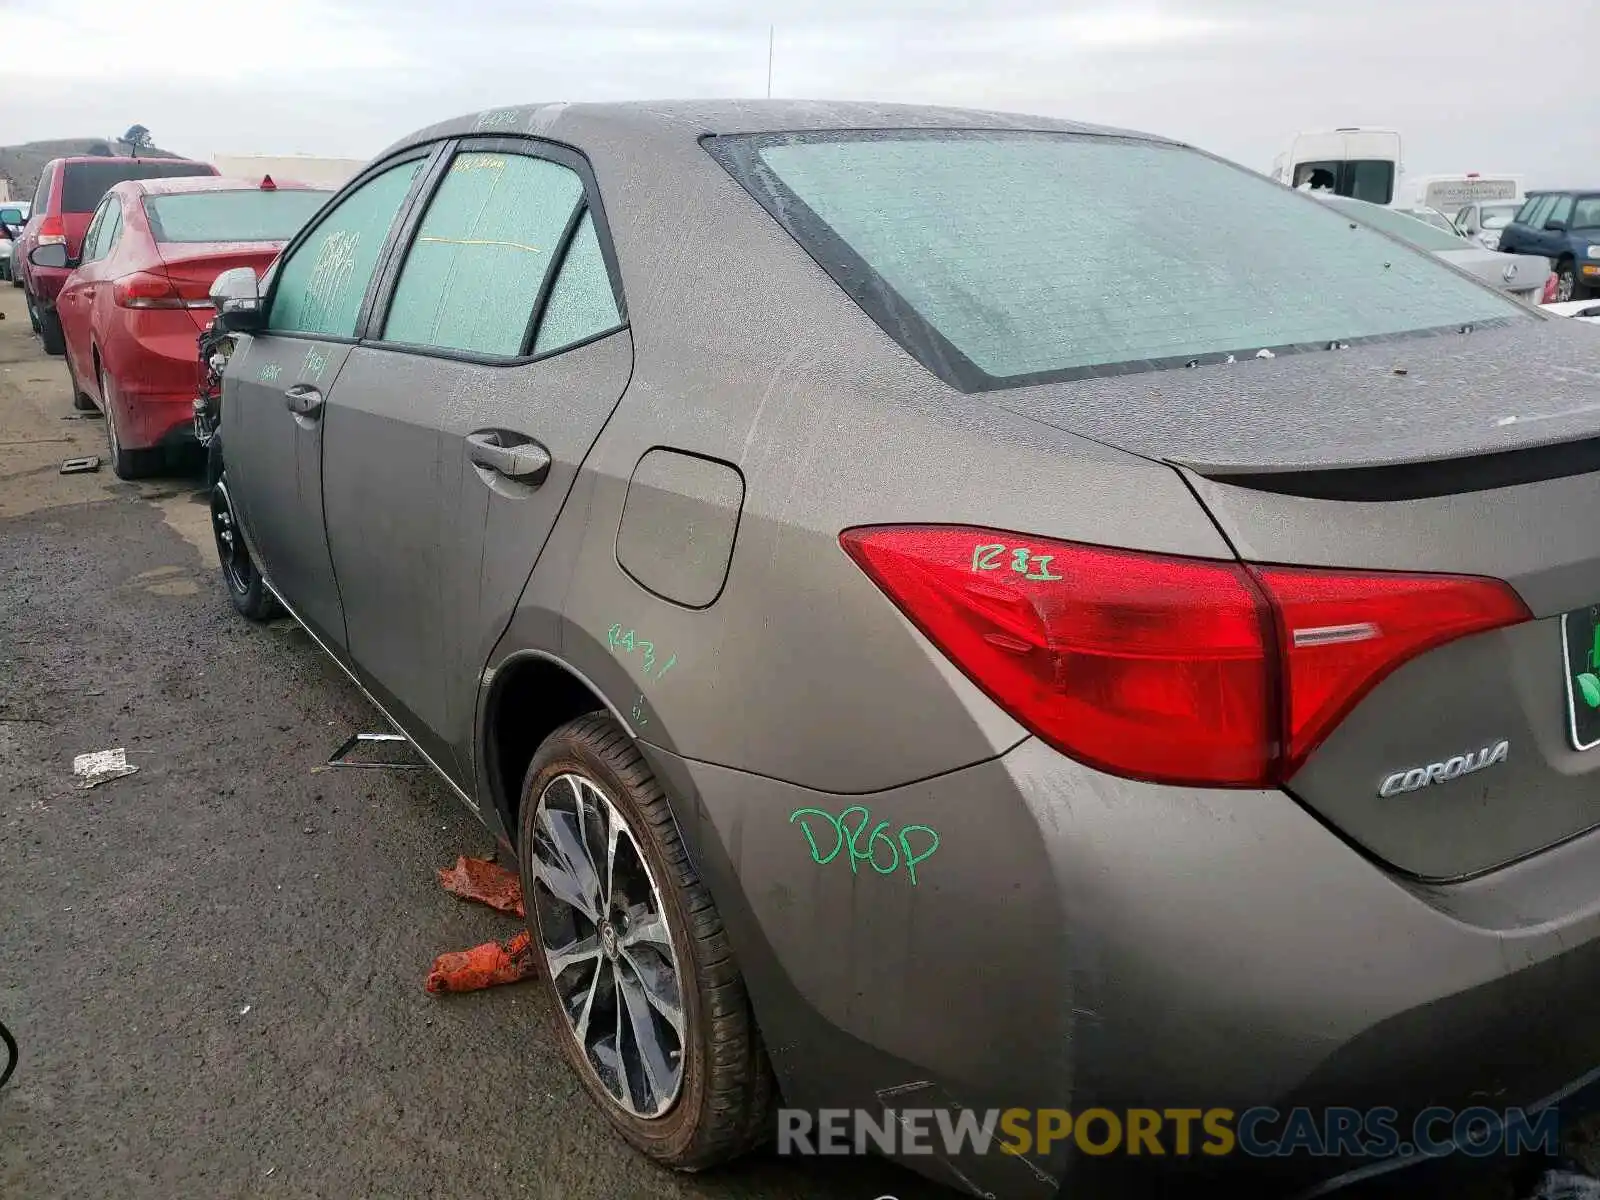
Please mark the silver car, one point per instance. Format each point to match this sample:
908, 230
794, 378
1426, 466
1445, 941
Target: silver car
1485, 219
13, 216
954, 612
1520, 275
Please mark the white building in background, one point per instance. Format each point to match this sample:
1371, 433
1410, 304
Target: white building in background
289, 168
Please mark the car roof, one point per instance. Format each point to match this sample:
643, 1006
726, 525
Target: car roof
645, 121
208, 183
73, 160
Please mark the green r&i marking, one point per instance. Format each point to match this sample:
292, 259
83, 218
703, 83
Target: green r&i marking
1589, 682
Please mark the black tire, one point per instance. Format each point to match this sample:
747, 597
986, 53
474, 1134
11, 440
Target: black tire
80, 400
33, 310
723, 1104
50, 335
128, 464
248, 591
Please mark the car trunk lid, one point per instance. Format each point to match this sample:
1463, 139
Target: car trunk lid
1534, 381
194, 266
1522, 275
1472, 454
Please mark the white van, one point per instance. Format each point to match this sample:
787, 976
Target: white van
1355, 161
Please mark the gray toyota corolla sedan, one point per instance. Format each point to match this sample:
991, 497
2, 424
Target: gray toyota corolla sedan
954, 611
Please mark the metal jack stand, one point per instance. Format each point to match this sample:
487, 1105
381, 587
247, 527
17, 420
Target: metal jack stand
342, 756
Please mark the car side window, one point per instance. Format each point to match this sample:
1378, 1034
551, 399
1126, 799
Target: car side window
41, 197
91, 236
320, 287
474, 271
1561, 212
111, 232
581, 304
1536, 216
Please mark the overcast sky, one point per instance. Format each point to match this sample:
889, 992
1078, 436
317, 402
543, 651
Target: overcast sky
1471, 85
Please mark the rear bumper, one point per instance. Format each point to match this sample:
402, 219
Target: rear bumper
164, 420
1080, 941
155, 365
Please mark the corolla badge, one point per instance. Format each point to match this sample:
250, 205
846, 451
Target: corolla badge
1443, 772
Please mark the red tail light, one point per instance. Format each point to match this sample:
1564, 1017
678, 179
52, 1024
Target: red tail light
52, 232
144, 289
1175, 670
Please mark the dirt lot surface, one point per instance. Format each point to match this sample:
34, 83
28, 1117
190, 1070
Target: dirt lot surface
214, 966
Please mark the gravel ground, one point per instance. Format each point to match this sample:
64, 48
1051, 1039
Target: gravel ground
214, 966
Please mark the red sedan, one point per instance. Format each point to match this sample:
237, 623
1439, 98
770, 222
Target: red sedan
134, 307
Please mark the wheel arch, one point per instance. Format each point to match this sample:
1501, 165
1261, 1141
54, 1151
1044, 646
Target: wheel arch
530, 695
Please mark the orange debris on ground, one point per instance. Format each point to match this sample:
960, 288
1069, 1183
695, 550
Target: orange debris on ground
484, 966
492, 963
487, 882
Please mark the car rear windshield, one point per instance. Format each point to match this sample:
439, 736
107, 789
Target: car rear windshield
1413, 229
87, 182
237, 216
1001, 258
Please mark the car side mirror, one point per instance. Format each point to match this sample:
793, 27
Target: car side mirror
237, 297
51, 254
1555, 226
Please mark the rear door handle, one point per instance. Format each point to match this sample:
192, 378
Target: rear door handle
303, 400
512, 455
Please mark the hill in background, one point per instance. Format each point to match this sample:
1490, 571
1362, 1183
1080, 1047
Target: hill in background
23, 164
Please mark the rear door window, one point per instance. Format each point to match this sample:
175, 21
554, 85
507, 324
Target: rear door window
320, 287
87, 182
582, 304
112, 233
474, 271
1001, 258
91, 236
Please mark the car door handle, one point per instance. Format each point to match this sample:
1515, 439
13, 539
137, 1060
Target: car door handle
512, 455
303, 400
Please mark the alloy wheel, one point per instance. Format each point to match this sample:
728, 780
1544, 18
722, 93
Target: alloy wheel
230, 545
1564, 285
607, 945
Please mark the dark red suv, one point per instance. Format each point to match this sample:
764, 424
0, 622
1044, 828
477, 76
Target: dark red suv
69, 191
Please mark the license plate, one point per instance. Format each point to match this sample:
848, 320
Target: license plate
1580, 647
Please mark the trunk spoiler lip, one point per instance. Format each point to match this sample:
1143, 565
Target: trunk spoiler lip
1416, 479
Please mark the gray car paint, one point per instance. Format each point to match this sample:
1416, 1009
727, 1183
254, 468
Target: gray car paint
1078, 939
1507, 272
276, 464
